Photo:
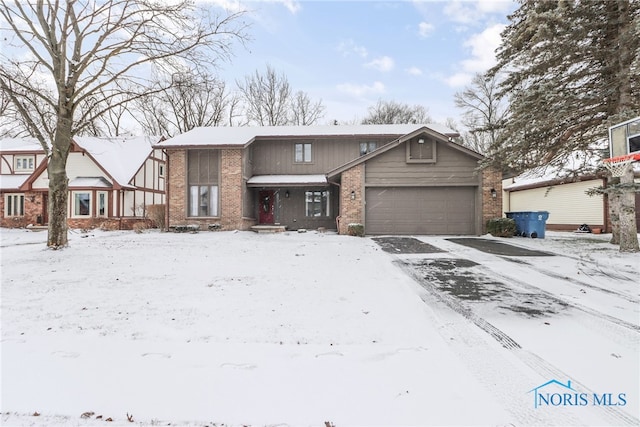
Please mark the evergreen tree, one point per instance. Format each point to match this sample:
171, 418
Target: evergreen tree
569, 69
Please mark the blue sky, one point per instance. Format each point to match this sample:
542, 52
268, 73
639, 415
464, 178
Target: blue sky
350, 54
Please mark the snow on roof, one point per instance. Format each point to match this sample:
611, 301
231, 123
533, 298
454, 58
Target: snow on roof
240, 136
259, 180
91, 181
20, 145
12, 182
120, 157
579, 164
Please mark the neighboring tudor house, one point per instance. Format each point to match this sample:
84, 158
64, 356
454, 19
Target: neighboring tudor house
393, 179
111, 181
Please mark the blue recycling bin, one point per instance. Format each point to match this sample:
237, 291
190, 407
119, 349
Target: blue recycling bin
530, 223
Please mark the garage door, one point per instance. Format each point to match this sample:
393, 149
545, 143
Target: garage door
420, 210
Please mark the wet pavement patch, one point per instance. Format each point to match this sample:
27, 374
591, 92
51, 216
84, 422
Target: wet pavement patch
405, 245
459, 280
497, 248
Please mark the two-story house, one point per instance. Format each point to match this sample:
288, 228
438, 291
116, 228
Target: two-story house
393, 179
111, 181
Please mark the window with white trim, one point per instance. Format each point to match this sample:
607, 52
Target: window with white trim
203, 168
317, 203
24, 163
81, 203
13, 205
161, 170
303, 153
102, 204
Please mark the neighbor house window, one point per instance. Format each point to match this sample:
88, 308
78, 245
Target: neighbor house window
161, 170
367, 147
24, 163
203, 182
317, 203
303, 153
14, 205
81, 203
102, 204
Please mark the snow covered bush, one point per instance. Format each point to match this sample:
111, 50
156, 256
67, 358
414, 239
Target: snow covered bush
501, 227
355, 229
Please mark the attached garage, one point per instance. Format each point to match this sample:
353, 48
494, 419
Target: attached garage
420, 210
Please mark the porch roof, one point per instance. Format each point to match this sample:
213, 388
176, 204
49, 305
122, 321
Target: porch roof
12, 182
286, 180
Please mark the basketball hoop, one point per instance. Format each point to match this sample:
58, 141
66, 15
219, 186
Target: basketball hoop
618, 165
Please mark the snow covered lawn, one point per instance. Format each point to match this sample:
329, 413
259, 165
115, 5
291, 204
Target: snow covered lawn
237, 328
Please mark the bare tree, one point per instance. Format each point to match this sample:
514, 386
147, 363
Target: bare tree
391, 112
305, 112
191, 100
270, 101
267, 97
484, 113
105, 51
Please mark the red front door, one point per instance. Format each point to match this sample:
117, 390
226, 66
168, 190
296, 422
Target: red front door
266, 206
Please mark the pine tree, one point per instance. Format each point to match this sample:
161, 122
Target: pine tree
572, 71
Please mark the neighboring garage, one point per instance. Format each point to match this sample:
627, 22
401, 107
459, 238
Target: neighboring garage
420, 210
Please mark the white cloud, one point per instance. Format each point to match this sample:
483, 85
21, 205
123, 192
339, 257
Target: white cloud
361, 90
468, 12
483, 46
293, 5
384, 64
414, 71
425, 29
459, 79
350, 47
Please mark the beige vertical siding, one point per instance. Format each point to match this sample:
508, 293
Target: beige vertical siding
566, 203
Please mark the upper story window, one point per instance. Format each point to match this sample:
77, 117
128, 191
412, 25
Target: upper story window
367, 147
421, 150
24, 163
161, 170
303, 153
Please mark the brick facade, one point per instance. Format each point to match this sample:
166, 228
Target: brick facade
177, 187
230, 188
33, 210
351, 204
491, 206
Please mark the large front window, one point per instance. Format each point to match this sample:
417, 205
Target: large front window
81, 203
203, 200
203, 183
317, 203
14, 205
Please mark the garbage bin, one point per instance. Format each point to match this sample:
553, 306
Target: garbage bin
530, 223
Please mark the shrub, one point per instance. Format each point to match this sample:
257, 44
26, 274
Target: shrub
139, 227
156, 214
355, 230
501, 227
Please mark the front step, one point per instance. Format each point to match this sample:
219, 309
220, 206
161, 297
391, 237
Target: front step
269, 228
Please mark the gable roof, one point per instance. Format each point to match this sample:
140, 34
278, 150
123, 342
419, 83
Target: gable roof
443, 138
240, 137
120, 157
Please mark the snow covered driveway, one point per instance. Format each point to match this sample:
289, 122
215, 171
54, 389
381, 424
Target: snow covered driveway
303, 329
